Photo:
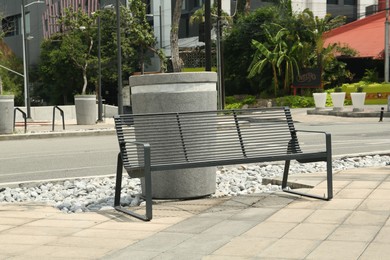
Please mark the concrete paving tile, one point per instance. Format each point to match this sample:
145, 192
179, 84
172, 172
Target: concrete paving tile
376, 251
372, 218
220, 212
135, 226
362, 233
289, 248
204, 244
337, 184
385, 185
307, 203
14, 221
375, 204
5, 227
331, 216
276, 200
109, 233
380, 194
10, 239
383, 236
230, 227
15, 249
291, 215
254, 214
88, 242
61, 223
131, 254
167, 220
224, 257
311, 231
244, 247
160, 242
338, 250
64, 251
353, 193
170, 212
194, 225
43, 231
269, 229
173, 256
348, 204
363, 184
25, 214
89, 216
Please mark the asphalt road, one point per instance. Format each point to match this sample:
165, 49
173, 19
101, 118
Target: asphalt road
55, 158
64, 157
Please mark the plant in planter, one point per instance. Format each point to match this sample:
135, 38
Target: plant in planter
319, 98
77, 42
358, 99
338, 97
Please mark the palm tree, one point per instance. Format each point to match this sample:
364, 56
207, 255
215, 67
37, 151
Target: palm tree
282, 57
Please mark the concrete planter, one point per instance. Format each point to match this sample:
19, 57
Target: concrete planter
338, 100
85, 109
6, 114
319, 100
176, 92
358, 99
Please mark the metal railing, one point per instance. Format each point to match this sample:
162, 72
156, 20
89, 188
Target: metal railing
24, 117
54, 116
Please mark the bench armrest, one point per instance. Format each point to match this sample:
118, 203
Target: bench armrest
328, 140
146, 149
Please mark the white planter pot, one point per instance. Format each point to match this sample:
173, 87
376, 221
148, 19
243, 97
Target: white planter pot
358, 99
338, 100
319, 100
85, 109
6, 114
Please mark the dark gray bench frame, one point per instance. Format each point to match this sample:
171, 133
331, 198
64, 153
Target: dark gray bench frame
145, 170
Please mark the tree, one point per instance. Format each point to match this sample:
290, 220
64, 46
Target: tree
78, 40
141, 33
239, 52
281, 55
56, 63
11, 82
174, 37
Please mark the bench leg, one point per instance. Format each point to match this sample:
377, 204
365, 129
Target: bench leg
118, 188
329, 182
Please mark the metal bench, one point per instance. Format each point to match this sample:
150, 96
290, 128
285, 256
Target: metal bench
153, 142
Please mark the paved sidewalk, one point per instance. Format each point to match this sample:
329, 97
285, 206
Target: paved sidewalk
354, 225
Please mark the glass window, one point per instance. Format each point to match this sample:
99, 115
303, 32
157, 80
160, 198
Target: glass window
332, 2
349, 2
11, 25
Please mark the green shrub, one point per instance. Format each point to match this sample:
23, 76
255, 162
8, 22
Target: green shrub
295, 101
249, 100
230, 100
234, 106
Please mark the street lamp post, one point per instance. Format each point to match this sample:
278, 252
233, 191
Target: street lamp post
25, 58
118, 37
25, 63
100, 102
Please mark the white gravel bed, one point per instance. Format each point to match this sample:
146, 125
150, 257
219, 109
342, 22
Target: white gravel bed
94, 194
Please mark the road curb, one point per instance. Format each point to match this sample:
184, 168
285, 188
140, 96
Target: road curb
42, 135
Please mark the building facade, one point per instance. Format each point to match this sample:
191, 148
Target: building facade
41, 15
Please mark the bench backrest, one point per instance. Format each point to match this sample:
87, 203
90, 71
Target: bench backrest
194, 137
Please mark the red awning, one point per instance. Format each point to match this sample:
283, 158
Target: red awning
366, 36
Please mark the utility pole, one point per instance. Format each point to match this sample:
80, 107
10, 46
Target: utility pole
207, 34
119, 61
387, 43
